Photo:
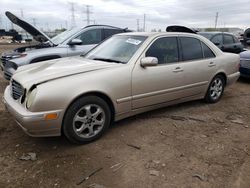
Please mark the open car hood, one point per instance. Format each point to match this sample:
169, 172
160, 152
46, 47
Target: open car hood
182, 29
32, 30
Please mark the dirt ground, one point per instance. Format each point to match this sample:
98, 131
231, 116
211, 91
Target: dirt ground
188, 145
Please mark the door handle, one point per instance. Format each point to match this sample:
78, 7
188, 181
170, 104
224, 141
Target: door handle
211, 64
178, 69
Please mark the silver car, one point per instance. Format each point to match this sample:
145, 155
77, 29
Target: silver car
69, 43
127, 74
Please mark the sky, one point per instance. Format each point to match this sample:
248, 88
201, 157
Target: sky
51, 14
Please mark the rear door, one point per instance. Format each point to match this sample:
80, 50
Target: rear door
228, 43
90, 39
198, 65
238, 46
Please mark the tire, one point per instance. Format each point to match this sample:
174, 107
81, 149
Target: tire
86, 120
215, 89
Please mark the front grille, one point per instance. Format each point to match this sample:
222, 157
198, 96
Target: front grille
4, 60
17, 90
7, 76
245, 63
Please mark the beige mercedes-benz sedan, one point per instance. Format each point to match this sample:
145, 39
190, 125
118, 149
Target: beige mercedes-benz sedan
125, 75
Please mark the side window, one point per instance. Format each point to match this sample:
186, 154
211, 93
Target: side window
191, 48
208, 53
217, 39
165, 49
236, 40
110, 32
93, 36
228, 39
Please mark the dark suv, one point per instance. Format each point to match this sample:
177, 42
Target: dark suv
227, 42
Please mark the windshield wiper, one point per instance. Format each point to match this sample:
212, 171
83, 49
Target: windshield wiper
109, 60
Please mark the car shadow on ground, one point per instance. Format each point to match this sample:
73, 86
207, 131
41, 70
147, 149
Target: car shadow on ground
161, 112
244, 80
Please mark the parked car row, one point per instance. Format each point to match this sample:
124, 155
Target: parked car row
127, 74
227, 42
69, 43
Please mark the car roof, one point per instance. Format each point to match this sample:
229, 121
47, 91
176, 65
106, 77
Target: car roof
156, 34
105, 26
215, 32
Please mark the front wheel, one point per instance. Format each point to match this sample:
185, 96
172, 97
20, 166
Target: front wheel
86, 119
216, 89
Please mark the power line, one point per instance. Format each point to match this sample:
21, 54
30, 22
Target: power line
88, 12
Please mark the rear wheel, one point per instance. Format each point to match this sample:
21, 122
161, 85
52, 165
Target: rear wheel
86, 119
216, 89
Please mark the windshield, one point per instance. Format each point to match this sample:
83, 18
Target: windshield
207, 35
118, 49
58, 39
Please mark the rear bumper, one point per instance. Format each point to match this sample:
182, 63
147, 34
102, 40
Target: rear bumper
232, 78
32, 123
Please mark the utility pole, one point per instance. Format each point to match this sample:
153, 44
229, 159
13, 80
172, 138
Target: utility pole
47, 26
138, 24
34, 21
72, 9
144, 22
1, 22
21, 11
66, 24
88, 12
216, 19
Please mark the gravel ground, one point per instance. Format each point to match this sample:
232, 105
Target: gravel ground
188, 145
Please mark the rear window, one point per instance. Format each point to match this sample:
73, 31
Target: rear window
208, 53
228, 39
191, 48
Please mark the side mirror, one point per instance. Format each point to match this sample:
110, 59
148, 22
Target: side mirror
149, 61
75, 42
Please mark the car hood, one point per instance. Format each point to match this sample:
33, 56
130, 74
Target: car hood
32, 30
58, 68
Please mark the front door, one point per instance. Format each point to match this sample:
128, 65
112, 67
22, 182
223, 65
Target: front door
161, 83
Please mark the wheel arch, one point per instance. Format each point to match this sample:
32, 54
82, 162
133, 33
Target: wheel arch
222, 74
99, 94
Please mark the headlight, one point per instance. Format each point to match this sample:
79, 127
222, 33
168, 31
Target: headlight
31, 97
